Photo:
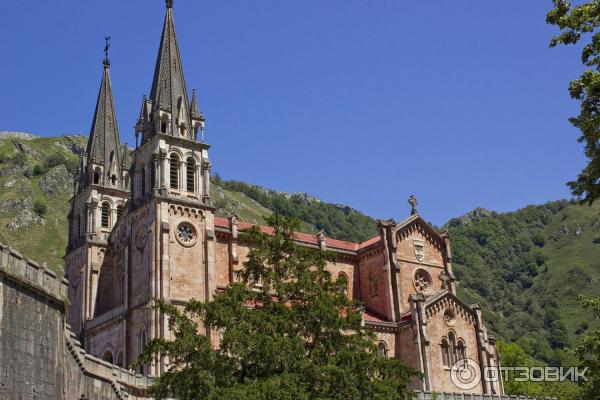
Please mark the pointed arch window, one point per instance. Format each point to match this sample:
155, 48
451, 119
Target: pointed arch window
120, 359
174, 171
105, 215
191, 175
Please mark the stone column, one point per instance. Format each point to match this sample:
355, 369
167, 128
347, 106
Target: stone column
163, 169
206, 182
93, 216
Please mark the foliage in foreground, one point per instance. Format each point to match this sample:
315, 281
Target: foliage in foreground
588, 351
513, 355
575, 22
288, 331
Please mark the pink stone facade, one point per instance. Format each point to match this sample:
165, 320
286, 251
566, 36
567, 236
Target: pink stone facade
149, 231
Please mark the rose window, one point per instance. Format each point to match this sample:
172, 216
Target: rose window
186, 234
422, 281
449, 317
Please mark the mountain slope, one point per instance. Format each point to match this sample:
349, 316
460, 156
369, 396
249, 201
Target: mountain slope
526, 268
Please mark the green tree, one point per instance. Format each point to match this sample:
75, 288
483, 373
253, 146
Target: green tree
288, 331
588, 351
574, 23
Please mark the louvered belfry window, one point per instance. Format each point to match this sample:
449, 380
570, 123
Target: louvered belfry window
191, 175
104, 220
174, 171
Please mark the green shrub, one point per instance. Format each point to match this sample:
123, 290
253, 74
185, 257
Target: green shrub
55, 159
40, 208
39, 170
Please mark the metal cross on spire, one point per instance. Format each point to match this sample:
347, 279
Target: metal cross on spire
106, 47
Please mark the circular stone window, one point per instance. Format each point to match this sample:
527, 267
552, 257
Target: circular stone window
449, 317
422, 282
186, 234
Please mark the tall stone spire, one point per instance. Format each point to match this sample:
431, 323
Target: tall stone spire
169, 91
104, 147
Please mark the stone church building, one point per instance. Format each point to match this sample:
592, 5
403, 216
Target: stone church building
142, 226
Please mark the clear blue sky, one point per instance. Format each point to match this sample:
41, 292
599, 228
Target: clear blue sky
358, 102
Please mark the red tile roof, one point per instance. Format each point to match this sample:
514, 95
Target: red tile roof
305, 237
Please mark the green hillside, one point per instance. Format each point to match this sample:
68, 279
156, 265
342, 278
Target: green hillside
527, 268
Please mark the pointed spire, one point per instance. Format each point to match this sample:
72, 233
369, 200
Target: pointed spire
104, 143
194, 109
169, 91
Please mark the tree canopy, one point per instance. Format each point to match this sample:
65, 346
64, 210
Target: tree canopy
576, 22
287, 331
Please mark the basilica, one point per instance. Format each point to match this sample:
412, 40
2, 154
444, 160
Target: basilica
142, 226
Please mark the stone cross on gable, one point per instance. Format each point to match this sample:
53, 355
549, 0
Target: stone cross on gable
412, 200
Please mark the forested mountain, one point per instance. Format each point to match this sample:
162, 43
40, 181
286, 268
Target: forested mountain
527, 268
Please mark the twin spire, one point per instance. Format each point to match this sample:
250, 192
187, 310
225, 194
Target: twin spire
104, 146
168, 94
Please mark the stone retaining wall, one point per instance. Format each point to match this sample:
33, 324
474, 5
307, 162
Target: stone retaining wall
40, 358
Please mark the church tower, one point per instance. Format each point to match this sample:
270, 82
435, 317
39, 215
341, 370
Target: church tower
171, 218
100, 193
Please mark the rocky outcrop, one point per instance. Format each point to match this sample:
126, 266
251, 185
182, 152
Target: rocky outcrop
17, 135
25, 219
57, 180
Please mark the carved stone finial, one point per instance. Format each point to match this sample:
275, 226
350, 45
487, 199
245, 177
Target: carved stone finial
169, 3
412, 200
321, 239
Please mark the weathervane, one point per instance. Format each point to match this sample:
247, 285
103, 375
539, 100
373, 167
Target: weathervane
106, 47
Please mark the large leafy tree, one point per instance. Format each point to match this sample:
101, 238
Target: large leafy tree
575, 23
287, 331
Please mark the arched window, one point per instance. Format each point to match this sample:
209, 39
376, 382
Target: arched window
191, 175
461, 350
174, 171
113, 180
343, 277
382, 349
119, 211
143, 181
445, 348
105, 215
126, 184
107, 356
97, 176
120, 359
452, 340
